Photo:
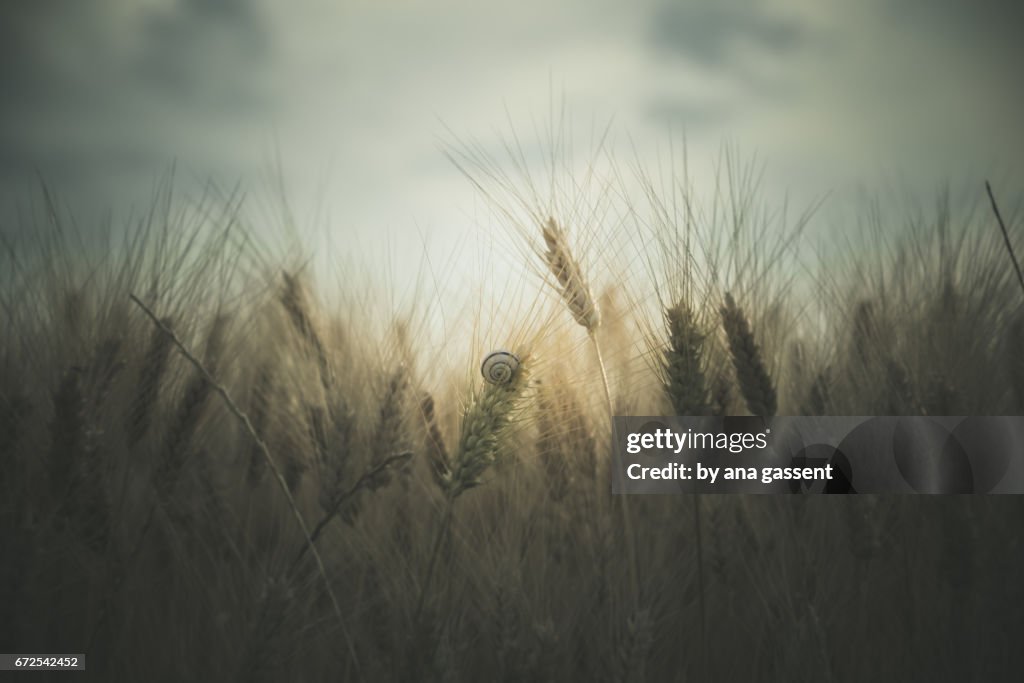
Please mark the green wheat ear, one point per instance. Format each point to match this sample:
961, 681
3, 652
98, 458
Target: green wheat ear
484, 423
683, 362
755, 382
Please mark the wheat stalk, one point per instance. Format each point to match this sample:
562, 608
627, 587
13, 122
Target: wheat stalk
186, 420
389, 435
901, 399
635, 647
13, 414
437, 451
244, 419
580, 301
1006, 235
818, 399
550, 448
686, 388
371, 480
259, 410
1015, 342
105, 369
67, 435
484, 422
73, 464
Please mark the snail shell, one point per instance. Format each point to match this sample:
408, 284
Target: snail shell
499, 367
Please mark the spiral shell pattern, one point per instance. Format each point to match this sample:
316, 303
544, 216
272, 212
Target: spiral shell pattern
499, 367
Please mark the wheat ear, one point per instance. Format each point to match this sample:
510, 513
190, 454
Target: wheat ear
572, 285
294, 302
683, 362
153, 369
244, 419
576, 293
686, 388
754, 381
177, 443
584, 309
484, 422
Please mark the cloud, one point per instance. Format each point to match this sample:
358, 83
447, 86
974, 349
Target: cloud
982, 20
204, 51
709, 32
104, 94
117, 88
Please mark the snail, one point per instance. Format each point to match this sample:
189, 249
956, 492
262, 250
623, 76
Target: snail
499, 367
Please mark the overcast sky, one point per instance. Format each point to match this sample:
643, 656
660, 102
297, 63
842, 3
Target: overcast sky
99, 96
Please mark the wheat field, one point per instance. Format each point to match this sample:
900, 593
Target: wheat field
213, 469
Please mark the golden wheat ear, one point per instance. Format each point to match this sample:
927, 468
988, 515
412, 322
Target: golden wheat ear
571, 284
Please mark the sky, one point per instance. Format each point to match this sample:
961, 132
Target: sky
352, 104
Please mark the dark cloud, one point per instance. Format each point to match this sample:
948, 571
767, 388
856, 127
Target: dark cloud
971, 20
25, 72
89, 86
205, 49
101, 94
984, 34
705, 32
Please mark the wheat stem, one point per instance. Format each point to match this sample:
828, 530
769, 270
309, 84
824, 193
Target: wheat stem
1006, 234
578, 298
435, 551
365, 481
627, 518
244, 419
700, 581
